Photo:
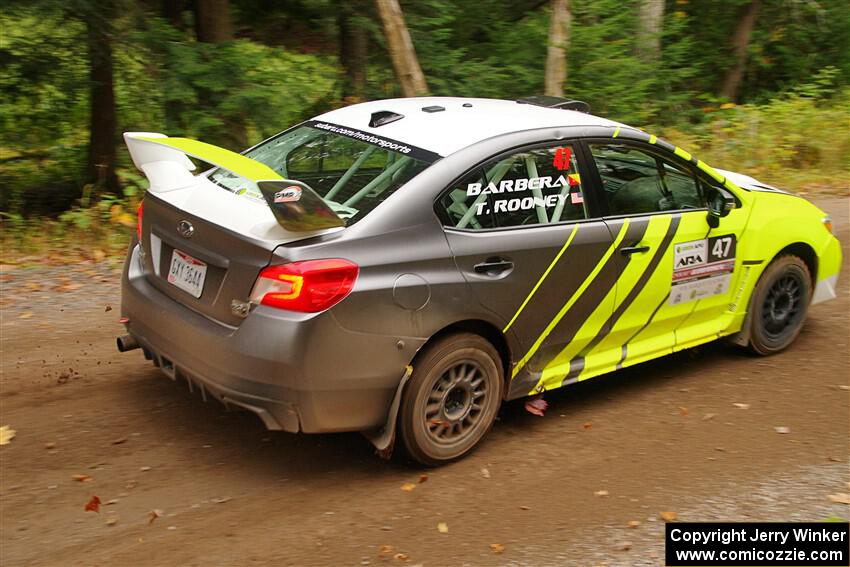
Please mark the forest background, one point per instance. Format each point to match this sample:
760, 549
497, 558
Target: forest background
757, 86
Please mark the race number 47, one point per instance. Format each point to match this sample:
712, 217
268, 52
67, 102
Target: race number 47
721, 247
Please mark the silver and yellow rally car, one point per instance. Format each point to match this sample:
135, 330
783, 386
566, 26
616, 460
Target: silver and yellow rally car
404, 266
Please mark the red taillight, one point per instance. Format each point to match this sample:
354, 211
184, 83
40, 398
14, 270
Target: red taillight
139, 221
309, 286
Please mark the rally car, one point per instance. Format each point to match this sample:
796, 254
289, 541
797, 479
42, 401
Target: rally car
402, 267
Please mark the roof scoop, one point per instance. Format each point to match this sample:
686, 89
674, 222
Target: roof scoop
384, 117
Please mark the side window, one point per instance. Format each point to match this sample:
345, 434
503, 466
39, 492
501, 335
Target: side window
527, 188
635, 181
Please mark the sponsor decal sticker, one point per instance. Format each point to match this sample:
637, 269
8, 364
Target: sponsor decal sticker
562, 158
288, 194
702, 268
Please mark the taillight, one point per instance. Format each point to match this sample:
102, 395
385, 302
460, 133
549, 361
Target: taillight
139, 220
309, 286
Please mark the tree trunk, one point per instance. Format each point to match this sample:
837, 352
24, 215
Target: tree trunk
741, 43
353, 43
556, 53
212, 21
103, 124
650, 22
400, 46
172, 10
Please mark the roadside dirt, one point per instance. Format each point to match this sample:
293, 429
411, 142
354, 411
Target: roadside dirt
183, 482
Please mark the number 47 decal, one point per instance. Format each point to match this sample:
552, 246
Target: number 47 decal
721, 247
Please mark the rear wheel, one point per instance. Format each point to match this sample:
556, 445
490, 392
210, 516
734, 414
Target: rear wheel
452, 398
780, 302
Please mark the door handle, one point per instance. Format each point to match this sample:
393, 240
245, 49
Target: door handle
494, 266
629, 250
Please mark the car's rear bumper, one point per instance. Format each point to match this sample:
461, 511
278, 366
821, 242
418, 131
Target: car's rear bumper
297, 372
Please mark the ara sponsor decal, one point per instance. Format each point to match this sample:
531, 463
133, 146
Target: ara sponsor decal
690, 254
288, 194
702, 268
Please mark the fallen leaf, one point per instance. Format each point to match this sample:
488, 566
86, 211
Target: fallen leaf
408, 486
50, 445
111, 502
93, 505
633, 524
497, 548
844, 387
423, 478
840, 498
108, 309
385, 549
782, 430
401, 557
525, 507
6, 434
25, 315
683, 411
443, 528
222, 500
153, 515
668, 516
144, 469
588, 425
708, 416
536, 406
741, 406
119, 441
485, 473
625, 546
601, 493
81, 478
98, 255
111, 521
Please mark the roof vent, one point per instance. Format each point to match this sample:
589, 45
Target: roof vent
556, 102
384, 117
431, 109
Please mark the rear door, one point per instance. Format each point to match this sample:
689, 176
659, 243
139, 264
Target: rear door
524, 238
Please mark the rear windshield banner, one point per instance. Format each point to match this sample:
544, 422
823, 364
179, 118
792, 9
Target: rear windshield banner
380, 141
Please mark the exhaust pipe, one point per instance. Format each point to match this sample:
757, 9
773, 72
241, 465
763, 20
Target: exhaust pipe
126, 342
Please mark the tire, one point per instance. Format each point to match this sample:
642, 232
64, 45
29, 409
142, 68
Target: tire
452, 398
780, 303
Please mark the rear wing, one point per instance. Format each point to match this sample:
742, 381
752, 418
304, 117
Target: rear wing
165, 162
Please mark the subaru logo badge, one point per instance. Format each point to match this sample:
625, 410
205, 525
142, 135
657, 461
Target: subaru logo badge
185, 228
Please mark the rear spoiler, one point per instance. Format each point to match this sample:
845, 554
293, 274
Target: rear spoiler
166, 164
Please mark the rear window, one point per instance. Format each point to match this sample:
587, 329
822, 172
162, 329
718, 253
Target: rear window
352, 171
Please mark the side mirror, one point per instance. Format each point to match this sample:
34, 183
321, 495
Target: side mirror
720, 205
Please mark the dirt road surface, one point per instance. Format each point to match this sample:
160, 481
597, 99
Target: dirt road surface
183, 482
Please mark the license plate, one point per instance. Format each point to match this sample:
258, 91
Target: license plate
187, 273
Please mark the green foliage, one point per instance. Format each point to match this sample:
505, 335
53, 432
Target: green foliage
285, 66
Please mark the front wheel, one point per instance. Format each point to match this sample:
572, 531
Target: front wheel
452, 398
780, 302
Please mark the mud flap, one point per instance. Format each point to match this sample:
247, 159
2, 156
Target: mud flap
384, 439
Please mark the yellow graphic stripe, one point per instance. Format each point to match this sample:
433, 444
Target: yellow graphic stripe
616, 132
575, 297
231, 161
543, 277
